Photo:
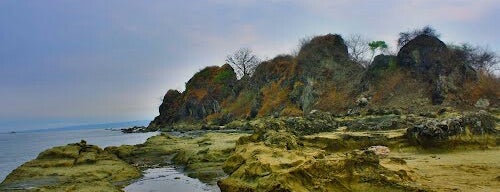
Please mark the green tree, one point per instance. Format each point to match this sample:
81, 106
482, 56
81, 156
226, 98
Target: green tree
377, 45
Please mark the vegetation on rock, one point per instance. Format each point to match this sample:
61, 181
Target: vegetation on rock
425, 74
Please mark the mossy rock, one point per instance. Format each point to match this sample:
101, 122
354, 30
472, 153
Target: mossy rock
74, 167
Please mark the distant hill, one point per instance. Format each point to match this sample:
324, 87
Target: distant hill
116, 125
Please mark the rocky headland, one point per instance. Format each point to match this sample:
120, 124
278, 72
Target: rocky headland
421, 120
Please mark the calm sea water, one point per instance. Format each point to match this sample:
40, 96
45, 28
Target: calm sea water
168, 179
17, 148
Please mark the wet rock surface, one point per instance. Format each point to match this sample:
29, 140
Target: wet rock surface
317, 152
74, 167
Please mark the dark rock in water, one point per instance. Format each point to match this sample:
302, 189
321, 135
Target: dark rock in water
437, 133
136, 129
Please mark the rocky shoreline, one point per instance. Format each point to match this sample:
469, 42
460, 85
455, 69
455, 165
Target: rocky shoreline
317, 152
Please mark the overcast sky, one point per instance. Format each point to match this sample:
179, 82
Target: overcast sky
94, 61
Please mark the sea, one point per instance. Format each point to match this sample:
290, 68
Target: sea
18, 148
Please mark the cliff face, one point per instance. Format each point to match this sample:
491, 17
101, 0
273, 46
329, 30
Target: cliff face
424, 74
428, 59
203, 96
327, 77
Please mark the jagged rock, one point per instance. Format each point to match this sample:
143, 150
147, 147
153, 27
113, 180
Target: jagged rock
74, 167
425, 55
438, 133
281, 67
322, 53
312, 123
135, 129
324, 68
169, 109
375, 123
429, 60
259, 168
203, 96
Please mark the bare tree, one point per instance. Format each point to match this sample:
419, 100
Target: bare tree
480, 58
358, 49
405, 37
243, 61
302, 42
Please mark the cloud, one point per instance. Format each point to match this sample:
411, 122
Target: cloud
426, 10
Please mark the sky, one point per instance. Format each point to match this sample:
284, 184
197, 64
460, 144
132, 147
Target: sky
71, 62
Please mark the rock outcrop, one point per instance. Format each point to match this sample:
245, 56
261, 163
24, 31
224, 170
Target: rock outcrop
326, 75
74, 167
468, 129
262, 166
428, 59
203, 96
424, 76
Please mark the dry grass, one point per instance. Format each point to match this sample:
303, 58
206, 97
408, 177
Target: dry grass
388, 85
274, 98
292, 111
241, 106
487, 86
199, 94
332, 99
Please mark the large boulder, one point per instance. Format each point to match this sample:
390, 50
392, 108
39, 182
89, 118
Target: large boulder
425, 55
430, 61
427, 58
324, 56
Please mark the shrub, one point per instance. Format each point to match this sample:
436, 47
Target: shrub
405, 37
487, 87
480, 58
241, 106
223, 76
292, 111
274, 97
